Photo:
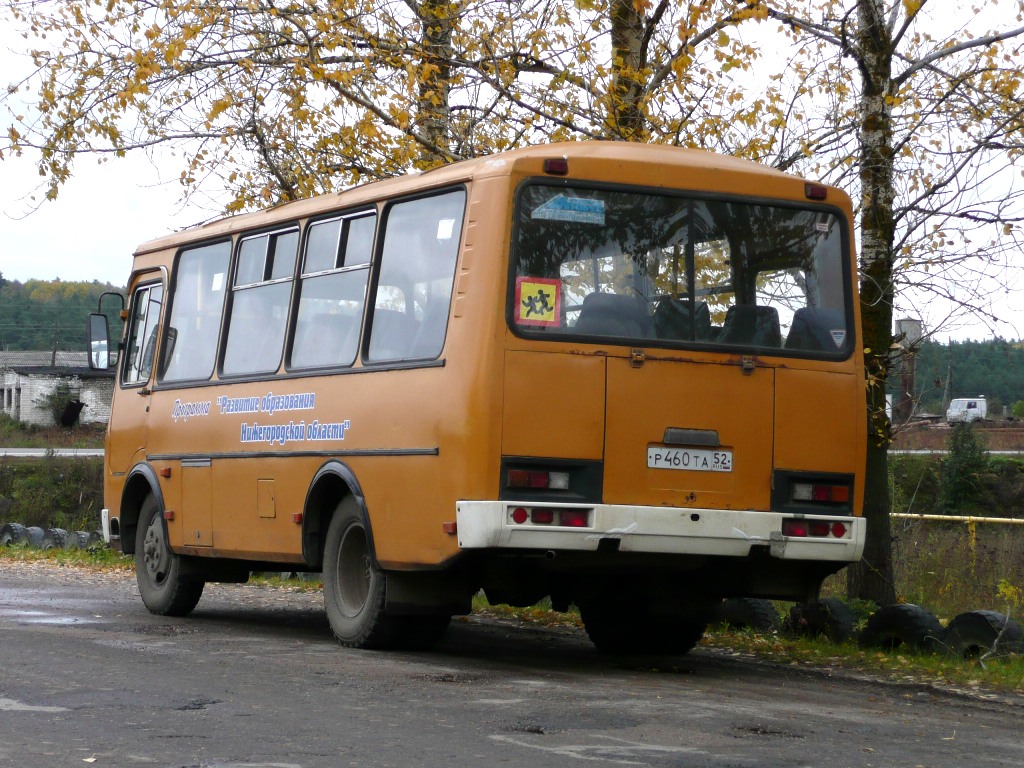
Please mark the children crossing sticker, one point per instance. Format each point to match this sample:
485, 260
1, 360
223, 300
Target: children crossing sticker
538, 301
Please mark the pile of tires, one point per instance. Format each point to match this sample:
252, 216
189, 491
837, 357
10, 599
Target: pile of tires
904, 626
16, 534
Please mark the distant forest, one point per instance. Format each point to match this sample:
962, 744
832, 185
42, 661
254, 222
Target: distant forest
40, 315
992, 368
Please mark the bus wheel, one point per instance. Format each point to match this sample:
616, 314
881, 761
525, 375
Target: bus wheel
353, 584
618, 634
158, 570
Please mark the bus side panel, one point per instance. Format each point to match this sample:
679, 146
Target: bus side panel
813, 434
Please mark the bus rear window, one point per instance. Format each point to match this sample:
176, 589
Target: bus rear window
633, 267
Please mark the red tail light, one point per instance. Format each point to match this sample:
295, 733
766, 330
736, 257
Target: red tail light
544, 516
818, 529
574, 518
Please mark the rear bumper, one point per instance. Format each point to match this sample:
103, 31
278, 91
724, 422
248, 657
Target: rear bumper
657, 530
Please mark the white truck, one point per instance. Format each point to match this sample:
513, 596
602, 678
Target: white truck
968, 409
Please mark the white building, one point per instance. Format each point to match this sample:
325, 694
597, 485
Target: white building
26, 378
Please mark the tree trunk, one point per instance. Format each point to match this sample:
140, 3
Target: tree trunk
432, 98
872, 578
625, 119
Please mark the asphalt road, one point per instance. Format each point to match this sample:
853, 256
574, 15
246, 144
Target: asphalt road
253, 678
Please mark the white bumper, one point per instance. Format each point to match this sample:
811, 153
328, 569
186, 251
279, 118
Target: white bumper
661, 530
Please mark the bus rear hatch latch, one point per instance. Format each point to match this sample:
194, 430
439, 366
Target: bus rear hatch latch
747, 364
636, 358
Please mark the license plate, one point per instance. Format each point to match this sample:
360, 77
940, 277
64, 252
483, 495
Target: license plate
692, 459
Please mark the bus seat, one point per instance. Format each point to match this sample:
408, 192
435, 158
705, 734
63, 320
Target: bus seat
812, 329
610, 314
323, 340
430, 335
672, 320
391, 334
753, 325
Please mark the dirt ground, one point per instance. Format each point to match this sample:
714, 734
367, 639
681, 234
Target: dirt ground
998, 436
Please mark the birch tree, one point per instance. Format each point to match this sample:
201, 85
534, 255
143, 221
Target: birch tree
927, 127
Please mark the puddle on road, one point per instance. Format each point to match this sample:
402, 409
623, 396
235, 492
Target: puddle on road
42, 617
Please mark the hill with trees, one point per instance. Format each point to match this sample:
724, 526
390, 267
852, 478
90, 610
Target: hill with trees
47, 314
993, 368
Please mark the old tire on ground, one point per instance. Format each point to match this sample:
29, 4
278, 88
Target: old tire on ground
77, 540
355, 588
905, 625
158, 570
35, 535
54, 538
632, 633
12, 533
975, 633
829, 618
749, 613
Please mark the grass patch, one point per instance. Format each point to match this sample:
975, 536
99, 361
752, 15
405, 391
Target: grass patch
1003, 673
99, 558
14, 434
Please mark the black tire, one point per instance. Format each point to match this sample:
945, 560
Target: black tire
77, 540
355, 588
158, 570
625, 633
905, 625
35, 535
749, 613
12, 534
55, 538
975, 633
829, 618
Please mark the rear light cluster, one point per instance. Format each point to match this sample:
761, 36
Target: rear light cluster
566, 518
538, 479
814, 529
827, 494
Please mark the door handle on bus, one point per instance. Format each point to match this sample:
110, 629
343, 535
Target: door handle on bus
145, 391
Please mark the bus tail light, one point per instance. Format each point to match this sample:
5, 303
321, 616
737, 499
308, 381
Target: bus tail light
553, 516
574, 518
556, 166
544, 516
821, 493
536, 478
802, 528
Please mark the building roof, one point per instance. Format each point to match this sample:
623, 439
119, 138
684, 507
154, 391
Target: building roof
50, 364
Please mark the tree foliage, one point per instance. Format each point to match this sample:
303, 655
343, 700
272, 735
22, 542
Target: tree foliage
46, 315
278, 100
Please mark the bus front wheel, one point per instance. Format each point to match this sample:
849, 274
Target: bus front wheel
158, 570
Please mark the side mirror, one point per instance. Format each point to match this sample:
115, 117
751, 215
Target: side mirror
99, 342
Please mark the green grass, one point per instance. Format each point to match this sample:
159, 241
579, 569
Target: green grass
13, 434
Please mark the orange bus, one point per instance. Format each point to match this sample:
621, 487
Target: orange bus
627, 377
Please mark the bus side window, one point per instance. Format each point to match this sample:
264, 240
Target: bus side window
142, 333
197, 300
417, 272
332, 291
259, 306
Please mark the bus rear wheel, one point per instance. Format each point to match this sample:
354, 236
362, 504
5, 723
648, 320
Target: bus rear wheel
355, 588
640, 633
158, 570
